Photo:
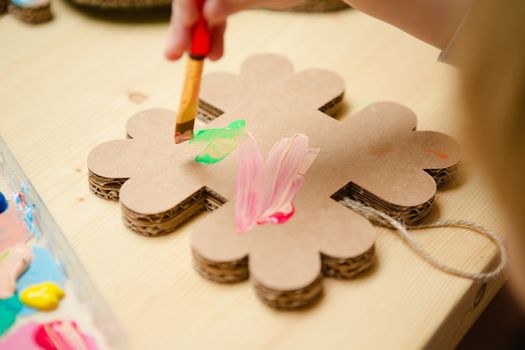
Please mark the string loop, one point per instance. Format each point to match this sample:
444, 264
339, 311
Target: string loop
382, 218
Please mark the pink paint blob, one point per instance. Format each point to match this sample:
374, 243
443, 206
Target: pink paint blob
277, 218
22, 338
14, 261
63, 335
13, 230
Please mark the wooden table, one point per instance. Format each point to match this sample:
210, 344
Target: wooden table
68, 85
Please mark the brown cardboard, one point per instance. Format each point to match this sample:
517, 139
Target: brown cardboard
34, 13
123, 4
304, 6
374, 154
3, 6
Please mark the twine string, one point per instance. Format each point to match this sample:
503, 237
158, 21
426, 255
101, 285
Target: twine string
382, 218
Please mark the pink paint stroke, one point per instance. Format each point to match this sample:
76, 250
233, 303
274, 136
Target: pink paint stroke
265, 190
12, 229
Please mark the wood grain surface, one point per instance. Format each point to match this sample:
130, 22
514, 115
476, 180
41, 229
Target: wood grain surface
71, 84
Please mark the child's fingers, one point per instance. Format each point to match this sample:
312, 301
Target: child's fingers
179, 40
217, 35
185, 11
184, 14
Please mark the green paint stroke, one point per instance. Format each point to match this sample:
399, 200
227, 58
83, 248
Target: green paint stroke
220, 142
4, 255
9, 308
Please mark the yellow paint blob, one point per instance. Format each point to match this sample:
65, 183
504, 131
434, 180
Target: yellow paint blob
43, 296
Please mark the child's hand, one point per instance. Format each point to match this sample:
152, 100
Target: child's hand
434, 21
185, 14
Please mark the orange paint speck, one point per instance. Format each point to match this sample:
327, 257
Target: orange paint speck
439, 155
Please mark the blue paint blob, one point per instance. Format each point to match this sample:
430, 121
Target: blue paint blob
3, 203
44, 268
29, 220
27, 210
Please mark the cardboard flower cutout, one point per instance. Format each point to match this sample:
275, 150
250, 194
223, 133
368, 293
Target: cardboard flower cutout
374, 156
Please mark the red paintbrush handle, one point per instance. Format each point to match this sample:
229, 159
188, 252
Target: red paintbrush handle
200, 35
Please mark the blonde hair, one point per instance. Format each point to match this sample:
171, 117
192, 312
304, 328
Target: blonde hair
492, 66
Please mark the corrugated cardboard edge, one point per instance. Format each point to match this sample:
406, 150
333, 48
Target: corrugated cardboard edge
32, 14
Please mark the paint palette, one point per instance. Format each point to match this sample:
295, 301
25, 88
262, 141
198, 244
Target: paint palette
47, 300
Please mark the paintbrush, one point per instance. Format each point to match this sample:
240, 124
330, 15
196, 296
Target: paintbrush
189, 103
